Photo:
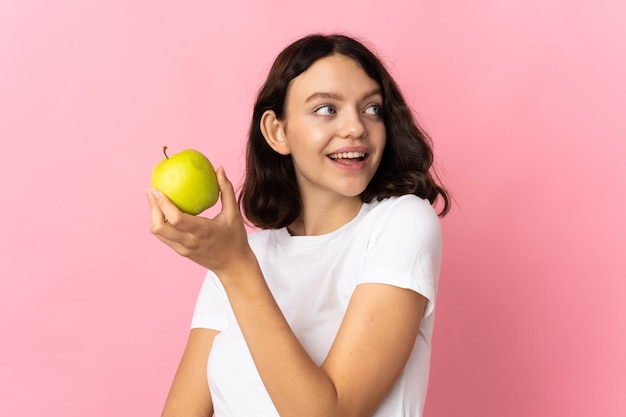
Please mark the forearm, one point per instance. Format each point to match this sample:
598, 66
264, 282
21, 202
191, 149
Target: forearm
297, 386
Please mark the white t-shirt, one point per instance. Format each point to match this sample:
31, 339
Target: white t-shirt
396, 241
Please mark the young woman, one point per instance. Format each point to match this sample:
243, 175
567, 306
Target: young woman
328, 309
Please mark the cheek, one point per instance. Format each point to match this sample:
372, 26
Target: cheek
379, 138
309, 141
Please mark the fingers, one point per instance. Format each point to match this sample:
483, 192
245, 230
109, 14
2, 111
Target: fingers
171, 213
157, 218
172, 233
166, 220
207, 242
229, 200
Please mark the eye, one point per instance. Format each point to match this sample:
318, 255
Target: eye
326, 109
374, 110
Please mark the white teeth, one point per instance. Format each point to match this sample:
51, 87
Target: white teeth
347, 155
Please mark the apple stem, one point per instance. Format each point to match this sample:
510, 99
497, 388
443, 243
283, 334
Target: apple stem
164, 149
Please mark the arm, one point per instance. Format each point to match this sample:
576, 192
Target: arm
189, 394
368, 354
371, 347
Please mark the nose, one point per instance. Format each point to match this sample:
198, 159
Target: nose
352, 125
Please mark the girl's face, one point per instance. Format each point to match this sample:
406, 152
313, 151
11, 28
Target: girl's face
333, 128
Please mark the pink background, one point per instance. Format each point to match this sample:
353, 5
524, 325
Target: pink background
525, 101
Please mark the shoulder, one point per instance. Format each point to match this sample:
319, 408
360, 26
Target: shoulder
408, 211
404, 225
259, 235
409, 202
263, 239
404, 246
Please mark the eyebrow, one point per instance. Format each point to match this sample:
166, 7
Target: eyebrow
334, 96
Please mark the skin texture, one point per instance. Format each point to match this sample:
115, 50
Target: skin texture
330, 107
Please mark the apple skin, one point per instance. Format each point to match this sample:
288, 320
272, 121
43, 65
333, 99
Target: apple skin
188, 179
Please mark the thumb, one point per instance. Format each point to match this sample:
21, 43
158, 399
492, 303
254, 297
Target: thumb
229, 201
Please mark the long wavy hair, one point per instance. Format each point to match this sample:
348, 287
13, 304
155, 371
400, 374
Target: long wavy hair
270, 197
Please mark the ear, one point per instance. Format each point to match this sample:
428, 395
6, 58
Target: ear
274, 132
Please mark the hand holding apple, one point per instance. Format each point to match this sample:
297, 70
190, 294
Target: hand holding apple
188, 180
219, 244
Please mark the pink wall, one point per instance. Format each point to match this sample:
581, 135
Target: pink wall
525, 101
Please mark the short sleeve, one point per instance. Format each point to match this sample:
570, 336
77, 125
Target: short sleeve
212, 308
405, 247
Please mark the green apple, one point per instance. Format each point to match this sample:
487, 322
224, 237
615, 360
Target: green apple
188, 180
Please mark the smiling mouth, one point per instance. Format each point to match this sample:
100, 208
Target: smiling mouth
348, 156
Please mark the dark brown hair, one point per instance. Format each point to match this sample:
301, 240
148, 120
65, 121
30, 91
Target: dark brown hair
270, 197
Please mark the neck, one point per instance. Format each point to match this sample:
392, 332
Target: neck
322, 217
